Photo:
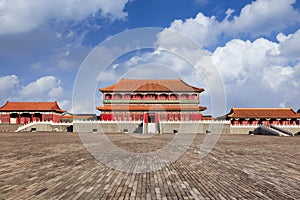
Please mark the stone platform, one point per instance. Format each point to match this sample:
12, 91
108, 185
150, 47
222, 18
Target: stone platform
57, 166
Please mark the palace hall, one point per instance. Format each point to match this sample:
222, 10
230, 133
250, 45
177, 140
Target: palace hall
26, 112
151, 101
266, 116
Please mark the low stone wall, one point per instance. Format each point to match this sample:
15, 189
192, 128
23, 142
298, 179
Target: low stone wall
218, 127
241, 129
163, 127
8, 127
203, 127
107, 127
177, 127
46, 127
194, 127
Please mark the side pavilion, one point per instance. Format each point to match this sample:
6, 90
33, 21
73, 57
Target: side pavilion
25, 112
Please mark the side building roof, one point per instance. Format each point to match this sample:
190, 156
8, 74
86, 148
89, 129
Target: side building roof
262, 113
142, 85
31, 106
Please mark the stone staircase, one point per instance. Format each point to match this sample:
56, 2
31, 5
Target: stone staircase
44, 126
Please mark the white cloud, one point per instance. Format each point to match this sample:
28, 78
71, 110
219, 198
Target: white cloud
19, 16
229, 12
8, 87
264, 17
8, 83
43, 88
55, 92
203, 29
289, 45
261, 17
278, 77
258, 73
47, 88
238, 59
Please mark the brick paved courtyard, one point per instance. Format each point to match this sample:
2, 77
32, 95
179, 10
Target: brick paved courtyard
57, 166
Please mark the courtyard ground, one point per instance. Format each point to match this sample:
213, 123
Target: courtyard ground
57, 166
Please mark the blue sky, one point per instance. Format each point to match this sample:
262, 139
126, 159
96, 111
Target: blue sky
254, 46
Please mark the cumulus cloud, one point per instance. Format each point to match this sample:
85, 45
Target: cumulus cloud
8, 87
238, 58
283, 76
44, 87
8, 83
264, 16
289, 45
202, 29
261, 17
19, 16
258, 73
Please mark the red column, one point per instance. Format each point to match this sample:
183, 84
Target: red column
156, 118
146, 117
19, 118
9, 118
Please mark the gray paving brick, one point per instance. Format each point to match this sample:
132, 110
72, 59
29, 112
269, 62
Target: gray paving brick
57, 166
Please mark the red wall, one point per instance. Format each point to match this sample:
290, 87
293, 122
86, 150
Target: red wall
158, 116
4, 118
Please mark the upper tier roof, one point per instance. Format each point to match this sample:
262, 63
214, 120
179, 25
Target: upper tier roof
263, 113
136, 85
31, 106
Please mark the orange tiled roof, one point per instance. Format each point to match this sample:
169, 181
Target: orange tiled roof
31, 106
136, 85
263, 113
150, 107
